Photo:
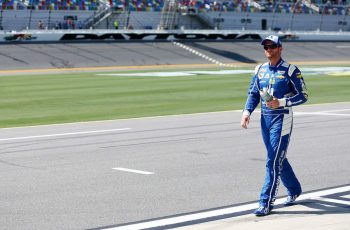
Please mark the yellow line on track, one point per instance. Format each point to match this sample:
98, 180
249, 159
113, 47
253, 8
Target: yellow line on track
105, 68
165, 66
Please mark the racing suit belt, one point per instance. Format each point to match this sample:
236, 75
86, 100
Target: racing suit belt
267, 111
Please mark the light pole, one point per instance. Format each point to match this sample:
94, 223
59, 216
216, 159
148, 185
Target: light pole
1, 28
49, 20
292, 19
30, 14
345, 12
273, 15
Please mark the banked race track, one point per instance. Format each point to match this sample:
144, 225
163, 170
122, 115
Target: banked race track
108, 55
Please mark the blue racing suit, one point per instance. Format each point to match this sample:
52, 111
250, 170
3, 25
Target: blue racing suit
284, 82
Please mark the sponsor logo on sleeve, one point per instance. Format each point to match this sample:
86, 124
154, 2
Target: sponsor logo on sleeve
303, 86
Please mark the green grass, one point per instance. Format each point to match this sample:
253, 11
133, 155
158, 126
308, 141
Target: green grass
46, 99
328, 89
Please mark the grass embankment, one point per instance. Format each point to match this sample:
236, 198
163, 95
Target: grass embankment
60, 98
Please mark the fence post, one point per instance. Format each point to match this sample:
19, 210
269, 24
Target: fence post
30, 14
1, 28
49, 20
343, 23
273, 15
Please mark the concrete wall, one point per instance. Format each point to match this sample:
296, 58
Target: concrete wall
22, 19
300, 22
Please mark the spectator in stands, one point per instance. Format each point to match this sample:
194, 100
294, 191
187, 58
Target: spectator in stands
80, 25
65, 25
40, 25
116, 24
69, 23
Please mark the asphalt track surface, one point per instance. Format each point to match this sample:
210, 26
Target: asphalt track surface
114, 173
60, 56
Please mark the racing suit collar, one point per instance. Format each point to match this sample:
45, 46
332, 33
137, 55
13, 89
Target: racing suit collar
277, 65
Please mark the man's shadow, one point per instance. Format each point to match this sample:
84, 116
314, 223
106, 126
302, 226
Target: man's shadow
317, 207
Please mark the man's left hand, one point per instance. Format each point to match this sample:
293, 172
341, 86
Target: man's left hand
274, 104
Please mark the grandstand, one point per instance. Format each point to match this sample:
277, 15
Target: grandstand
49, 4
189, 14
63, 4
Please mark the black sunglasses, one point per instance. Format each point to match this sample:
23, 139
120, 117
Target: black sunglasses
274, 46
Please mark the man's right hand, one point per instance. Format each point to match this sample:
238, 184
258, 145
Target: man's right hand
245, 121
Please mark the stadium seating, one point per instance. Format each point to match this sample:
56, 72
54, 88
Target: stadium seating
19, 19
196, 14
50, 4
64, 4
137, 5
11, 5
334, 7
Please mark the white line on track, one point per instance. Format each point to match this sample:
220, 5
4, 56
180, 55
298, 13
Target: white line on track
322, 113
134, 171
221, 212
332, 200
64, 134
160, 116
335, 110
343, 47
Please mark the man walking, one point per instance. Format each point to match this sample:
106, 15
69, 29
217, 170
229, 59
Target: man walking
280, 86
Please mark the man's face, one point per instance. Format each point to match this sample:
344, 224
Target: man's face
272, 51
